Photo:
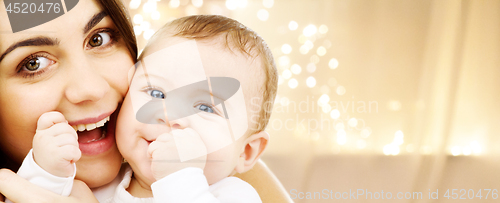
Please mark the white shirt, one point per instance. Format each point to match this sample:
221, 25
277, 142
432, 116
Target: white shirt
186, 185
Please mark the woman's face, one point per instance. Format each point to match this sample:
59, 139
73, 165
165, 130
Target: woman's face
77, 65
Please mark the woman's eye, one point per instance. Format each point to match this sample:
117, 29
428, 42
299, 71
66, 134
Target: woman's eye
205, 108
157, 94
37, 63
99, 39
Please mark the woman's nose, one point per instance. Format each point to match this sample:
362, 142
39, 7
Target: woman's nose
86, 84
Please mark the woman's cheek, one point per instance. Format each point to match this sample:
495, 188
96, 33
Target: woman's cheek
116, 69
20, 107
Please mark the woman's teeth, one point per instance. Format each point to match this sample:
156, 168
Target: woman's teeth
91, 126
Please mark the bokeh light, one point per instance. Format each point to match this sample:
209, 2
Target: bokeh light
286, 49
323, 29
284, 101
310, 30
339, 126
321, 51
398, 137
242, 3
341, 137
155, 15
324, 89
148, 34
303, 49
231, 4
353, 122
137, 19
366, 132
197, 3
216, 10
335, 114
326, 108
309, 44
361, 144
262, 14
268, 3
191, 10
394, 105
341, 90
149, 6
293, 83
466, 150
476, 147
302, 38
137, 30
311, 67
311, 82
391, 149
455, 151
333, 63
293, 25
296, 69
324, 99
287, 74
145, 25
134, 4
284, 60
314, 59
174, 3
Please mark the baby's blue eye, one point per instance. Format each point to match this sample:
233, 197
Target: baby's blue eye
205, 108
157, 94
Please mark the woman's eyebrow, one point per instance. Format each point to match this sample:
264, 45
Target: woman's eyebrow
36, 41
45, 41
94, 21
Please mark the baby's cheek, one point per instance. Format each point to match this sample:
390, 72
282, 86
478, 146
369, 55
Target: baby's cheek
214, 131
220, 164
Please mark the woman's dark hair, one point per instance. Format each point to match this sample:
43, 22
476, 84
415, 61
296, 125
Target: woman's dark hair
118, 13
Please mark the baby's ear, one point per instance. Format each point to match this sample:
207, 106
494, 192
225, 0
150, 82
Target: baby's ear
253, 147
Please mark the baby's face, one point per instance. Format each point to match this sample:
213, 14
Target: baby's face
170, 91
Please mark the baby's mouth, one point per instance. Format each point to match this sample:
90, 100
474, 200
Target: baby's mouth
93, 132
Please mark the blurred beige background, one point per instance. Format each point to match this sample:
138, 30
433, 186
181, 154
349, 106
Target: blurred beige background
379, 95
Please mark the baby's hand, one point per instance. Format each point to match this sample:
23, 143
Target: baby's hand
167, 154
55, 145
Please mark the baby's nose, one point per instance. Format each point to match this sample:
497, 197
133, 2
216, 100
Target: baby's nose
153, 112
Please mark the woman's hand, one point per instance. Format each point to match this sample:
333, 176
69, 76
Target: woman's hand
19, 190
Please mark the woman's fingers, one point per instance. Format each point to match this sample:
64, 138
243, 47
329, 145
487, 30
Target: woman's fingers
19, 190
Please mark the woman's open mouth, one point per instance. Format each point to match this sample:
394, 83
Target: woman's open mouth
96, 137
90, 132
